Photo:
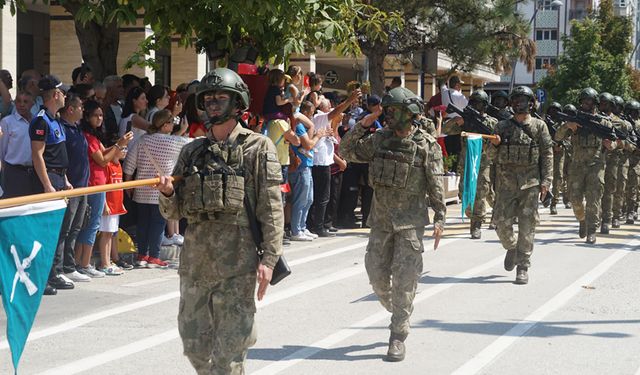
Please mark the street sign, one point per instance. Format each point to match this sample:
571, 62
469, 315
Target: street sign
542, 95
331, 77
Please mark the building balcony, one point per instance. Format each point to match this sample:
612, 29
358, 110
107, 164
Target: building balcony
547, 19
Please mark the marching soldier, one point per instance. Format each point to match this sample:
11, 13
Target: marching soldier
614, 159
405, 164
523, 156
623, 165
478, 101
219, 264
586, 171
633, 112
558, 183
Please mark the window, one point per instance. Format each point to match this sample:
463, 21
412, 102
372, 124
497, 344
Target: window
545, 62
546, 34
545, 5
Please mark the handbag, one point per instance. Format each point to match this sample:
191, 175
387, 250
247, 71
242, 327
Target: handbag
281, 269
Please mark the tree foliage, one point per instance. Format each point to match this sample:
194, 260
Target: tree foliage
470, 32
595, 55
275, 29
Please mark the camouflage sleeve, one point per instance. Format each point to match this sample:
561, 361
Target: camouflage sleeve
546, 156
563, 133
492, 150
170, 206
269, 212
435, 186
451, 127
429, 126
355, 148
491, 122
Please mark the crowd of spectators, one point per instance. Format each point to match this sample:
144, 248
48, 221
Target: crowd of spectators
92, 133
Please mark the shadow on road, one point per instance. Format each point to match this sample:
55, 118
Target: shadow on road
541, 329
334, 354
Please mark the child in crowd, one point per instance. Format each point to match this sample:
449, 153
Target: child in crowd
113, 208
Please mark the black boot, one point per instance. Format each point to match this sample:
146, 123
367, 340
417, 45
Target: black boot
396, 348
522, 277
615, 223
476, 232
630, 219
582, 232
510, 260
604, 228
553, 210
50, 291
591, 237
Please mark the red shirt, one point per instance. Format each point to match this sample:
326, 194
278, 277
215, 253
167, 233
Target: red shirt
115, 198
97, 173
195, 126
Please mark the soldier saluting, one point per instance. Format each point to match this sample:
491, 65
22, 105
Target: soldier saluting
219, 264
523, 156
405, 164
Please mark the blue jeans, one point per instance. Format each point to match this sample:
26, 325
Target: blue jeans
150, 229
302, 192
87, 234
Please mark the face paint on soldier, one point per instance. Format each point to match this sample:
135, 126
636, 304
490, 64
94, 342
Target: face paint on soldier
478, 105
397, 118
218, 106
500, 103
520, 104
605, 106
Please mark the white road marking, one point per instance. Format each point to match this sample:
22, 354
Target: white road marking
491, 352
94, 317
153, 341
369, 321
326, 254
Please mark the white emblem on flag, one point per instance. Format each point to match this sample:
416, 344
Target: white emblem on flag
21, 267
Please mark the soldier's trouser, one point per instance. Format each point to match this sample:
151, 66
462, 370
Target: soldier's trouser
587, 183
632, 184
521, 204
216, 323
610, 183
565, 172
558, 180
483, 195
620, 193
394, 264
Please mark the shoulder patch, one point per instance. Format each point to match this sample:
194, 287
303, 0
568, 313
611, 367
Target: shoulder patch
271, 156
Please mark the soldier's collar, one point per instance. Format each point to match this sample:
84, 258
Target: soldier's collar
231, 138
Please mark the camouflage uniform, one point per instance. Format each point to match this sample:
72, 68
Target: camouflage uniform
631, 198
403, 172
523, 163
219, 260
586, 174
484, 189
428, 125
559, 161
615, 160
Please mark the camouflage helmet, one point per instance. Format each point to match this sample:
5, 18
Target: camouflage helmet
570, 109
618, 101
633, 105
588, 93
499, 94
522, 90
403, 97
480, 96
555, 105
225, 80
606, 97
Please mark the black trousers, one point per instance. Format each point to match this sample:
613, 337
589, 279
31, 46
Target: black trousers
321, 193
331, 216
351, 187
18, 180
64, 257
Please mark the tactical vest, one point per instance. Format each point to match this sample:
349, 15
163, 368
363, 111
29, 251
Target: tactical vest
519, 150
397, 164
214, 182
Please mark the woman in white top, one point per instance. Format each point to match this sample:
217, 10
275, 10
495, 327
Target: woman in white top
134, 105
155, 154
158, 100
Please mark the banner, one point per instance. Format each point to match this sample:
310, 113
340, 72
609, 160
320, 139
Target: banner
28, 241
471, 170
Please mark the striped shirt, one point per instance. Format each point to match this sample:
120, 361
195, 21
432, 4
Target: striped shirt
164, 149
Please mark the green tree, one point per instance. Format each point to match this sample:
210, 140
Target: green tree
274, 29
594, 56
470, 32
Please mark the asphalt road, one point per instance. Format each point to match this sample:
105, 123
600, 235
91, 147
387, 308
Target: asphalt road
579, 314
